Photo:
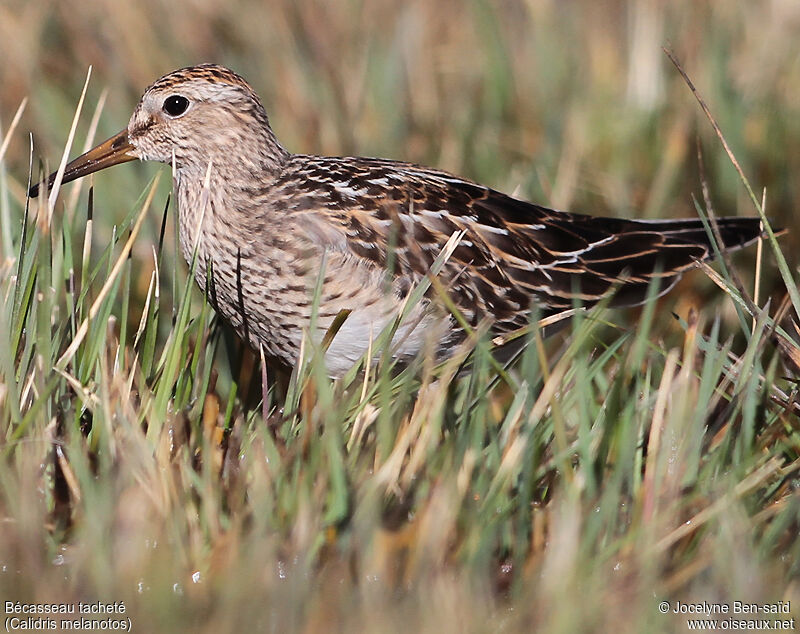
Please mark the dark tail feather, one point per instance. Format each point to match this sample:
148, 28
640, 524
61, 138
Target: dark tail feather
736, 233
630, 255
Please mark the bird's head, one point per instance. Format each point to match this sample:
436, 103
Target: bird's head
192, 117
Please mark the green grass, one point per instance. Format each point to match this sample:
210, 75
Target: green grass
634, 459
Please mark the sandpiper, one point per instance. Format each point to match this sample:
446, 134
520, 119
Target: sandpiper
268, 222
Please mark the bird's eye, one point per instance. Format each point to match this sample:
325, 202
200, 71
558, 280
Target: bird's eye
175, 105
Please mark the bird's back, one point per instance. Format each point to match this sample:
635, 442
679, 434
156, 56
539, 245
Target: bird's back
513, 253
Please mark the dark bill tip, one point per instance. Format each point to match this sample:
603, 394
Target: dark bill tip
110, 152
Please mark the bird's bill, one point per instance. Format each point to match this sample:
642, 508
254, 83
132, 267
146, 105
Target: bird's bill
110, 152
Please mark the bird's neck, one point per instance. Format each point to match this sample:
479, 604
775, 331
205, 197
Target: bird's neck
215, 200
235, 158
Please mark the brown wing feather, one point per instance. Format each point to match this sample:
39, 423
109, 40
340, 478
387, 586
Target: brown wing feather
513, 254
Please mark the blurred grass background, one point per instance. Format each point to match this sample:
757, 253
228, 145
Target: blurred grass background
514, 512
574, 104
571, 105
